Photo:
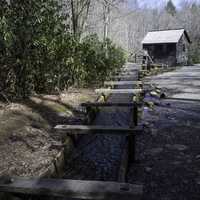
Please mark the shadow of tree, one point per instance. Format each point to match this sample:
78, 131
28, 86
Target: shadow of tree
73, 109
52, 116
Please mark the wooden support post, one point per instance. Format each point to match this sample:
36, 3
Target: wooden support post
131, 148
124, 165
131, 138
88, 114
135, 114
101, 98
138, 75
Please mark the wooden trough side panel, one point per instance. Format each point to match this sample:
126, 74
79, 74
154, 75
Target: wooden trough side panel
110, 104
128, 73
135, 68
75, 189
123, 77
118, 91
132, 70
82, 129
122, 82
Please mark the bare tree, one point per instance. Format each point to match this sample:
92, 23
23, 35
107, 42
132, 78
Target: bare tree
79, 14
127, 24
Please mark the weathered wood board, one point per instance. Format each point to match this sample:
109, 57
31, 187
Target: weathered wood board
173, 77
110, 104
83, 129
123, 76
128, 73
118, 91
128, 70
116, 83
134, 68
76, 189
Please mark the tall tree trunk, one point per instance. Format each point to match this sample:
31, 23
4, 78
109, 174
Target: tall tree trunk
106, 19
79, 11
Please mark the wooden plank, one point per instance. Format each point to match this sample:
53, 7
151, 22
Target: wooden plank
128, 70
123, 169
109, 104
144, 70
136, 67
76, 189
83, 129
123, 76
181, 99
115, 83
159, 65
118, 91
174, 78
128, 73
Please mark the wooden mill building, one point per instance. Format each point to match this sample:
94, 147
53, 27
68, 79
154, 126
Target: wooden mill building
167, 46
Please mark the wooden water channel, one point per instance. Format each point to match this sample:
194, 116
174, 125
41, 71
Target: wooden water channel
118, 96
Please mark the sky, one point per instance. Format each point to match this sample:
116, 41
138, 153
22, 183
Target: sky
158, 3
176, 2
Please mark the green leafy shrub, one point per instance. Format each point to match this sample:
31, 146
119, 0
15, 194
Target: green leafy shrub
39, 54
100, 58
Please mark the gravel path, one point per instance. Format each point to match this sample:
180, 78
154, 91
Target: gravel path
169, 150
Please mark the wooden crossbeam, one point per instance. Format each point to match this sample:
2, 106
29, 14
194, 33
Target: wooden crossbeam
131, 68
181, 99
173, 78
143, 70
118, 91
127, 75
83, 129
128, 70
122, 76
109, 104
115, 83
76, 189
124, 73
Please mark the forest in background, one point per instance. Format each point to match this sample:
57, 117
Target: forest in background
47, 46
129, 21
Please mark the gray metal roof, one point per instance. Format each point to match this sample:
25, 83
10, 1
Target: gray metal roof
167, 36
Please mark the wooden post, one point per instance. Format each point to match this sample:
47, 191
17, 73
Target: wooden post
131, 148
91, 114
88, 114
138, 75
135, 114
131, 137
104, 97
131, 141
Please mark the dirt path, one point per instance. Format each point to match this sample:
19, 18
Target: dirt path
181, 83
28, 145
169, 150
